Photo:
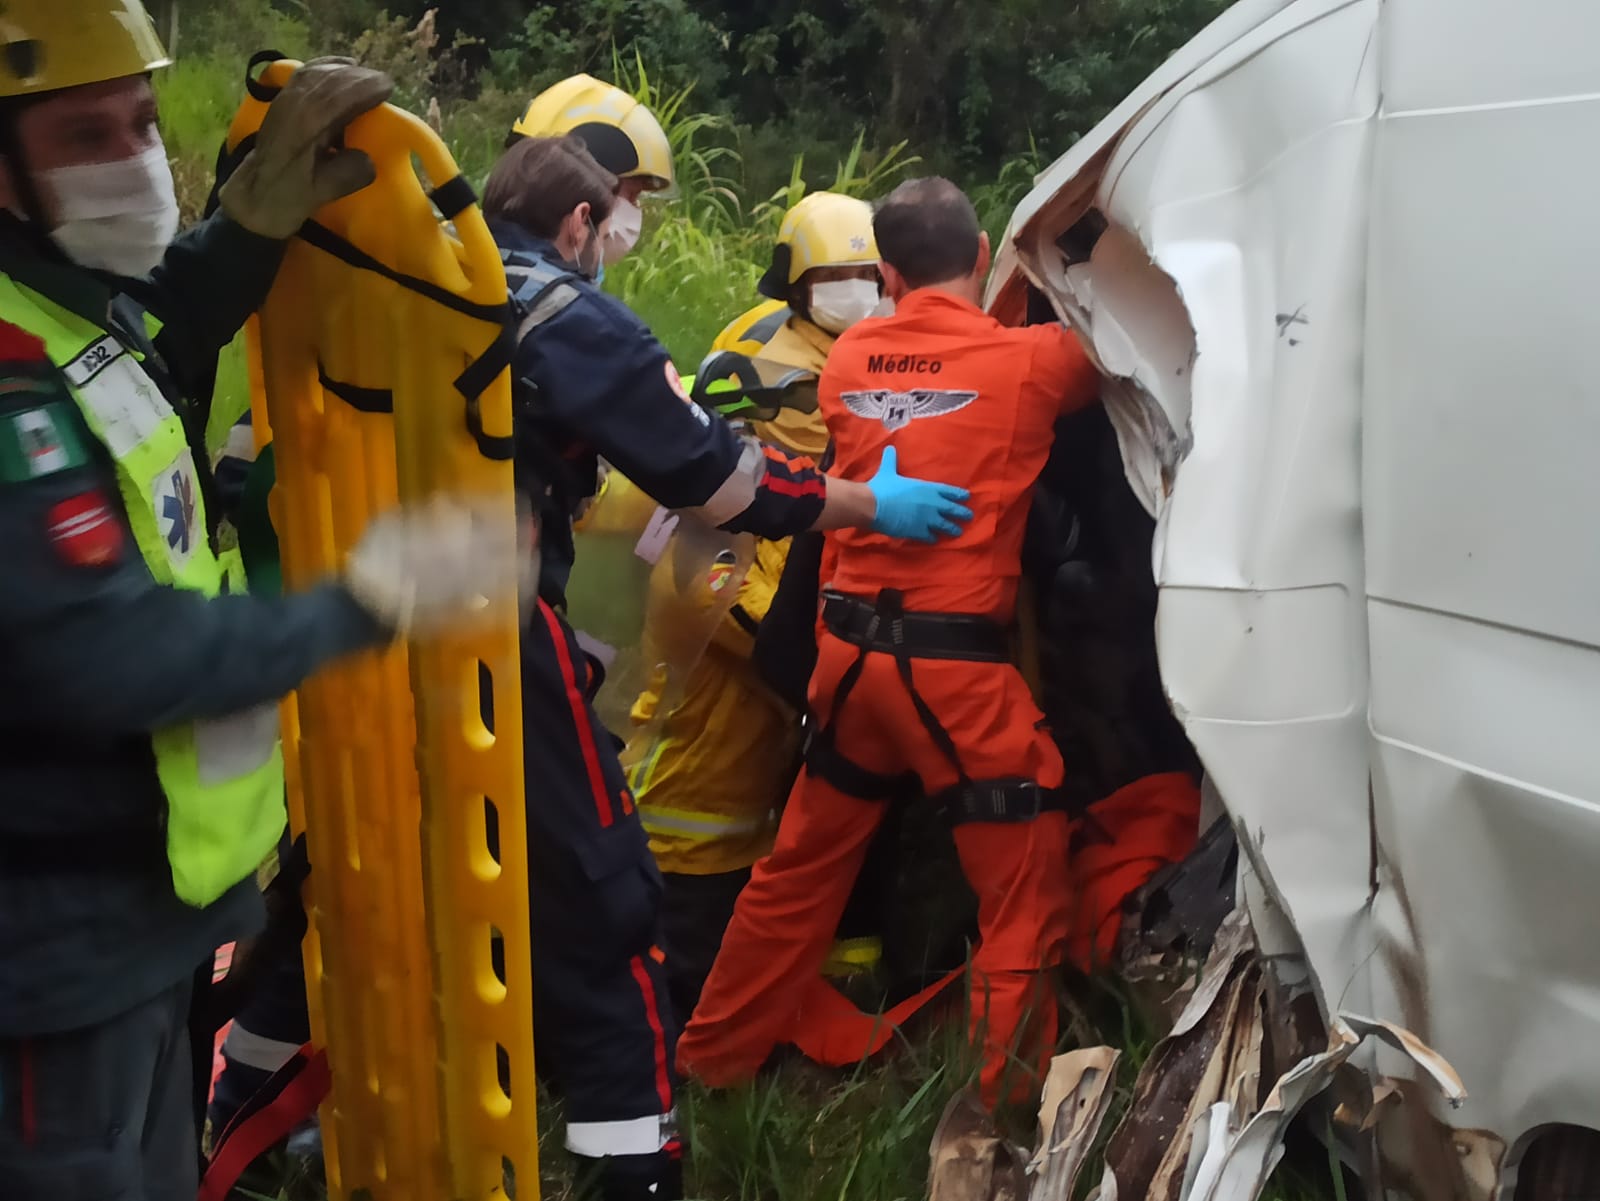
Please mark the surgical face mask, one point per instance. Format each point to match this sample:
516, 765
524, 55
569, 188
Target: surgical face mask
622, 235
840, 303
117, 217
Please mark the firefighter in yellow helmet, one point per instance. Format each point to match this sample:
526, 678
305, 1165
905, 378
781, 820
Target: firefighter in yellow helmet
715, 771
623, 136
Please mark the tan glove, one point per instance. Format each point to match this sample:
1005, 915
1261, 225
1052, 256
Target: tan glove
296, 166
439, 566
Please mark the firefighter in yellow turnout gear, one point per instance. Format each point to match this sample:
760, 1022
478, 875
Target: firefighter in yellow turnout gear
710, 775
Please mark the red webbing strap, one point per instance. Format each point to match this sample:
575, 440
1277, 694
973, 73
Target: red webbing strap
302, 1085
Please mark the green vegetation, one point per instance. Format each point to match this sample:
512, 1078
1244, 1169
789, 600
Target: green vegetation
761, 103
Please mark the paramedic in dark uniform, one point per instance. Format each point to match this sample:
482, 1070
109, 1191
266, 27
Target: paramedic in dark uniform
140, 776
592, 381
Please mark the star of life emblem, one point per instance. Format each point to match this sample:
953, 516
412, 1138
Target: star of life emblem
177, 509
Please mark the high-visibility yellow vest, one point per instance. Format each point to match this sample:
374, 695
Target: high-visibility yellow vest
223, 778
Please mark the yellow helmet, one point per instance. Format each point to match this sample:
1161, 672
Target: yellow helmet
622, 134
824, 229
46, 45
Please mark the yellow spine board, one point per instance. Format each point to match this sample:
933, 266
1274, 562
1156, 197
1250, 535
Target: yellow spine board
390, 759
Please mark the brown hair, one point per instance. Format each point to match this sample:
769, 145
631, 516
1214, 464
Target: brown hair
539, 181
927, 230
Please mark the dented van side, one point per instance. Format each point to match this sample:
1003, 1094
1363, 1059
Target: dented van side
1336, 261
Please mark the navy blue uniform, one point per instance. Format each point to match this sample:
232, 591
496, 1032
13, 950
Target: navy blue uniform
592, 382
97, 950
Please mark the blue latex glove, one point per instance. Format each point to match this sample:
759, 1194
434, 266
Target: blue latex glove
915, 509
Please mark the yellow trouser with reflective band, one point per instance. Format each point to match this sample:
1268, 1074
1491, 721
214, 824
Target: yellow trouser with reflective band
223, 779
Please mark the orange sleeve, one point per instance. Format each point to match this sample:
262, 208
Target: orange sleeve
1062, 372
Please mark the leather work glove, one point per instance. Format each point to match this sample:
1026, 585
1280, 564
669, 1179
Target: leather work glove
297, 165
915, 509
438, 567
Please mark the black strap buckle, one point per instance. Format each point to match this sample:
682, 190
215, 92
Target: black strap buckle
998, 801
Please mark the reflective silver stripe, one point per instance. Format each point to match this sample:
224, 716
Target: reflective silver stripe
229, 748
253, 1051
551, 303
738, 491
636, 1136
767, 328
241, 444
675, 821
590, 645
126, 402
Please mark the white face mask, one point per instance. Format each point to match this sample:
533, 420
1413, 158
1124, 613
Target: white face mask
622, 234
117, 217
840, 303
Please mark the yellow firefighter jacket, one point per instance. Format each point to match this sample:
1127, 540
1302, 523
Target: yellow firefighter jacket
710, 787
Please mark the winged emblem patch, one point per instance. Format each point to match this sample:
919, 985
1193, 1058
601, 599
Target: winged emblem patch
898, 409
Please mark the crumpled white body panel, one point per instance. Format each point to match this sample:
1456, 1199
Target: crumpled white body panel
1347, 299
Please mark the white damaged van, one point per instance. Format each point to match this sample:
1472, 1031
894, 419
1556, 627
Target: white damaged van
1339, 261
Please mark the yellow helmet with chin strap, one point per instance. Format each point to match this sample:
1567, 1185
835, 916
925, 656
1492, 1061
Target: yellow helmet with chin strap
622, 134
825, 229
46, 45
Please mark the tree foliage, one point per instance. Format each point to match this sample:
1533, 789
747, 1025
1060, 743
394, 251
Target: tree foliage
968, 84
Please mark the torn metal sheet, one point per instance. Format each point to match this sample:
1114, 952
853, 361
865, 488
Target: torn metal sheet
1213, 1055
1240, 1172
1336, 258
1177, 914
1235, 943
1229, 1142
1425, 1158
969, 1161
1077, 1095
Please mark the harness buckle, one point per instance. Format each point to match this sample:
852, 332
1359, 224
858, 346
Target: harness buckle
998, 801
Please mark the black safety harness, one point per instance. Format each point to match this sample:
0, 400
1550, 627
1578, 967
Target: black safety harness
884, 627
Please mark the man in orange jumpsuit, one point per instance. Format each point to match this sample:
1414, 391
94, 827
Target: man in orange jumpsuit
913, 688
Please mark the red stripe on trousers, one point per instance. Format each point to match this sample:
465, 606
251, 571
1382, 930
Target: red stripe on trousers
580, 716
653, 1015
29, 1116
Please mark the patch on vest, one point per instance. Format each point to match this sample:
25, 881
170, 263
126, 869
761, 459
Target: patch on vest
675, 382
899, 409
177, 508
38, 441
17, 345
84, 530
721, 573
